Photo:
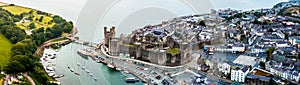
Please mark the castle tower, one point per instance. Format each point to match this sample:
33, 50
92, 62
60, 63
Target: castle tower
114, 47
108, 35
113, 31
105, 36
162, 57
138, 47
185, 53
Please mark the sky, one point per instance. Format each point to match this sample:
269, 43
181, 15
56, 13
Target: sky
237, 4
245, 4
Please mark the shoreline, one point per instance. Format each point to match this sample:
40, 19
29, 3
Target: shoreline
40, 50
130, 72
137, 75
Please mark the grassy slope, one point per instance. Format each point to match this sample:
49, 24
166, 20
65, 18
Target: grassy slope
16, 10
5, 52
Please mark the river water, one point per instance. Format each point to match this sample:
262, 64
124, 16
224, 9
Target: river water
90, 16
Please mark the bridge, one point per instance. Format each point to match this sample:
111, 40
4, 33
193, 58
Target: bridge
86, 43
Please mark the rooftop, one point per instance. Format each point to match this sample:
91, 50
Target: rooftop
260, 72
245, 60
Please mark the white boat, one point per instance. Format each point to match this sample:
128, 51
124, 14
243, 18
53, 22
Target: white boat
95, 79
71, 70
51, 74
91, 74
78, 64
126, 72
87, 71
111, 66
83, 67
118, 69
131, 80
77, 73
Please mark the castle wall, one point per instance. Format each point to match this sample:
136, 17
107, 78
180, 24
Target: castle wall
158, 57
162, 57
145, 55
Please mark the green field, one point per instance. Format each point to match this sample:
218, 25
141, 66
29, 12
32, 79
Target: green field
5, 52
16, 10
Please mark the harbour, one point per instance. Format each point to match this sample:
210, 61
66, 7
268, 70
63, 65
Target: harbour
93, 70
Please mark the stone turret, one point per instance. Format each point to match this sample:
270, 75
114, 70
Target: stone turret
162, 57
108, 35
138, 47
114, 47
158, 56
185, 53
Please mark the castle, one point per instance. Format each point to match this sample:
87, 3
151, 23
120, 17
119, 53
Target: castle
150, 45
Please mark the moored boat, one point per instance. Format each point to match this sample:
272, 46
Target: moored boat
131, 80
77, 73
110, 66
83, 53
118, 69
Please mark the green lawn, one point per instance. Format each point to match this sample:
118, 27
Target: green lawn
173, 51
58, 40
16, 10
5, 53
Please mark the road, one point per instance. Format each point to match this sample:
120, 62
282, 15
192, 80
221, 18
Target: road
6, 80
29, 79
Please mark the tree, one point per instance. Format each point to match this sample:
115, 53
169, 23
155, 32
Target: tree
286, 36
57, 19
16, 19
25, 47
41, 18
40, 30
202, 23
13, 33
14, 67
262, 64
68, 27
18, 49
256, 22
31, 25
25, 61
269, 53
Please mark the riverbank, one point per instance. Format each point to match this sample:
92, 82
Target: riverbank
58, 41
145, 71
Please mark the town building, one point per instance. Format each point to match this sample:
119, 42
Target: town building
239, 74
259, 76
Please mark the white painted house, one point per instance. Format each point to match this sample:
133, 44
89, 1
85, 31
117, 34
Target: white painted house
224, 68
239, 74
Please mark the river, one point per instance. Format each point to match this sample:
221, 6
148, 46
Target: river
90, 16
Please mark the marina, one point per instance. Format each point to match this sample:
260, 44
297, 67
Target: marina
83, 69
